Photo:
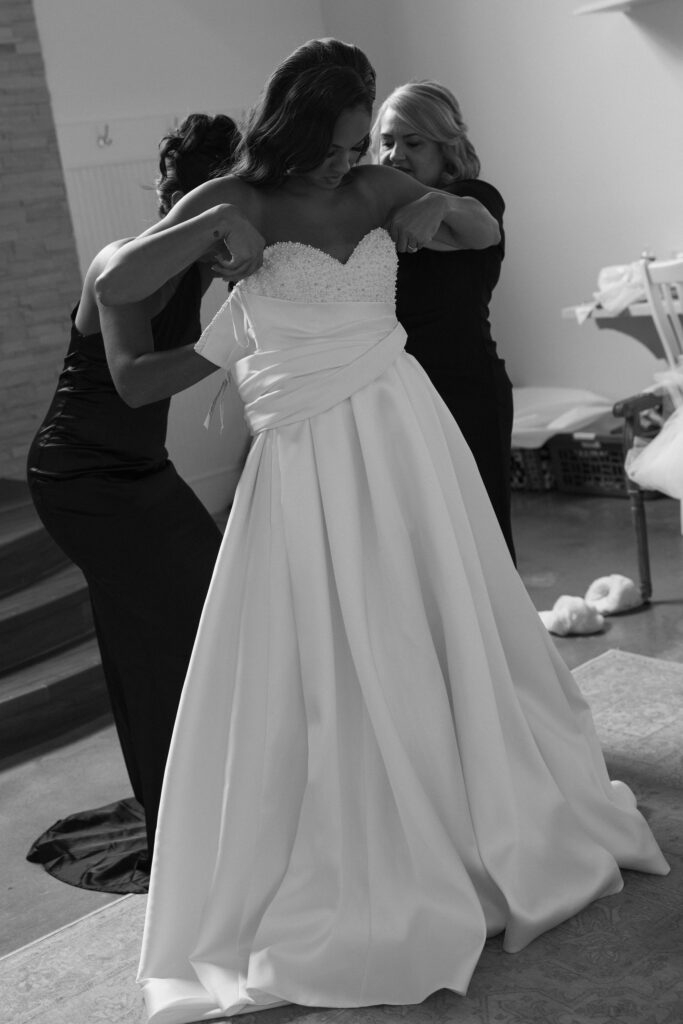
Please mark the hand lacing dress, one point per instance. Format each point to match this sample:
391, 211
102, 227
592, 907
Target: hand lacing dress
379, 757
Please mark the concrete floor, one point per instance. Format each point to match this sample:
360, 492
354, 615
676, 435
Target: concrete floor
84, 770
563, 544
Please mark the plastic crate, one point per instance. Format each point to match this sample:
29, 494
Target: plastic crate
591, 460
588, 464
531, 470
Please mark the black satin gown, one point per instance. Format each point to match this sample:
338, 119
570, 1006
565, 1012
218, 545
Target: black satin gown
443, 303
104, 488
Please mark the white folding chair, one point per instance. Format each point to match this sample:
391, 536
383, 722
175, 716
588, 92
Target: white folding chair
663, 281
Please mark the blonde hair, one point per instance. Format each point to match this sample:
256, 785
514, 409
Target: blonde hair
431, 110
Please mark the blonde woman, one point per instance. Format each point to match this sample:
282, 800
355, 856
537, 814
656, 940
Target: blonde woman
443, 297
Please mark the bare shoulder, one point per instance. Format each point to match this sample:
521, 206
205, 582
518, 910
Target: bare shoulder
87, 317
221, 190
378, 176
108, 251
374, 177
100, 261
89, 306
228, 185
388, 186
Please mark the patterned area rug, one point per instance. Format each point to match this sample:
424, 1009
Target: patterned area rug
619, 960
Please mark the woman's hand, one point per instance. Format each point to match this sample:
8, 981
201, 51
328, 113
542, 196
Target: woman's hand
240, 250
195, 230
416, 216
414, 225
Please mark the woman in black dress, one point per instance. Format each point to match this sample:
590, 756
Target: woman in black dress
106, 491
443, 297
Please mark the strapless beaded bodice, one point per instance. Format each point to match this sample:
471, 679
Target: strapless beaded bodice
306, 331
301, 273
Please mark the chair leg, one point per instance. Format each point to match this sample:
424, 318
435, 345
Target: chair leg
640, 524
629, 409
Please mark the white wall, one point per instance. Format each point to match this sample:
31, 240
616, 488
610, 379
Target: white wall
577, 121
117, 58
137, 66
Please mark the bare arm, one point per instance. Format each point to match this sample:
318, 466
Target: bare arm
430, 218
140, 374
462, 222
204, 224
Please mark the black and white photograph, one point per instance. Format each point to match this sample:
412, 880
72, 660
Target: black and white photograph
341, 511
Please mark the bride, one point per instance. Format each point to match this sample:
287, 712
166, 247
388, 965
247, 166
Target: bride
379, 758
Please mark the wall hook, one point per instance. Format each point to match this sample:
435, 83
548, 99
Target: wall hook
105, 138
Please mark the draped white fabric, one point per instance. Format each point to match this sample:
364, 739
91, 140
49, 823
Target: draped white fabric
379, 757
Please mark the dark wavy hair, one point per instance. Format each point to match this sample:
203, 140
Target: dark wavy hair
189, 155
290, 129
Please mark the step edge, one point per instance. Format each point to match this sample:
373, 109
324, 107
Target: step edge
17, 705
69, 575
57, 665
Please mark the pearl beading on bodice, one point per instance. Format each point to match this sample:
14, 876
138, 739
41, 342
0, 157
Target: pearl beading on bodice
369, 275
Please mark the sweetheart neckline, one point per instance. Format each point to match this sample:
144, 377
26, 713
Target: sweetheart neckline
314, 248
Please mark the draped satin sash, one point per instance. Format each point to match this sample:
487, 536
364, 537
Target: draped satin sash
317, 354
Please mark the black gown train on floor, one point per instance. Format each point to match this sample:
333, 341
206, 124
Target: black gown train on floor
104, 488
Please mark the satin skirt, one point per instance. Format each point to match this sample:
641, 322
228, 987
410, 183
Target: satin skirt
379, 759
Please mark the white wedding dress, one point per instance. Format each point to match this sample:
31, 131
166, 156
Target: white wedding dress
379, 758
